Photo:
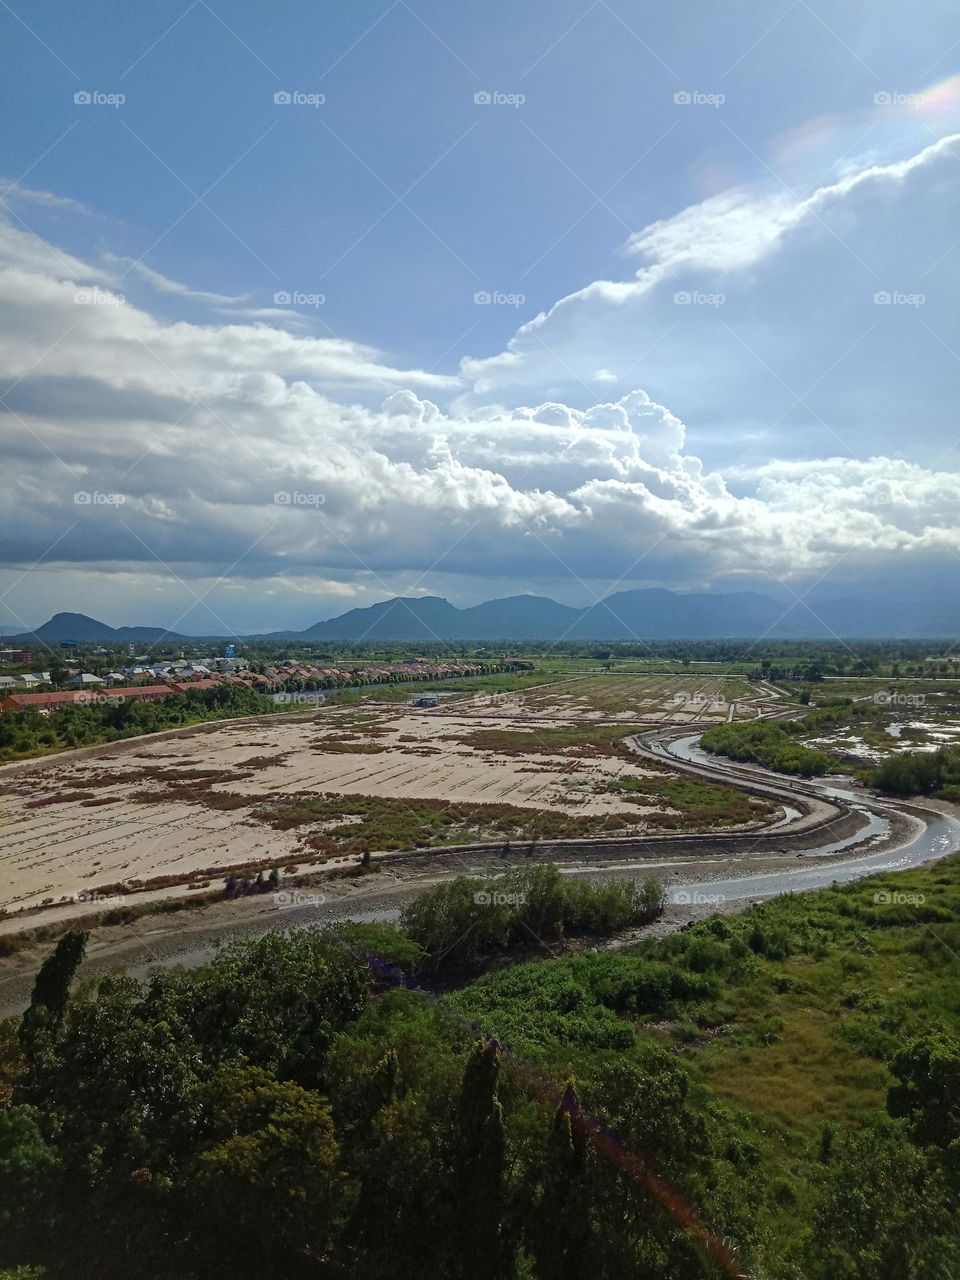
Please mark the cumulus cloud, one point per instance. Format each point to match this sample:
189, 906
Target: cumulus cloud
204, 449
813, 322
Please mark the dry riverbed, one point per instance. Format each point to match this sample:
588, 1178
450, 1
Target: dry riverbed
178, 812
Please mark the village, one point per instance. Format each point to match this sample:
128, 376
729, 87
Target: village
48, 690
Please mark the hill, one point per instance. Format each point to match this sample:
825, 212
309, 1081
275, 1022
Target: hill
652, 613
79, 627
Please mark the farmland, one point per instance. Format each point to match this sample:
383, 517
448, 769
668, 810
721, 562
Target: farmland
185, 810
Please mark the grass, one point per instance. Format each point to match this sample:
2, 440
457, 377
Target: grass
789, 1013
594, 740
359, 824
641, 695
404, 693
696, 801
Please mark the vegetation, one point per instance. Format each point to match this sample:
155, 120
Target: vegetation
776, 745
774, 1093
921, 773
27, 733
772, 744
354, 824
335, 825
592, 740
697, 802
463, 922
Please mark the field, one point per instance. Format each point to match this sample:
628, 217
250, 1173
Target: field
240, 796
635, 698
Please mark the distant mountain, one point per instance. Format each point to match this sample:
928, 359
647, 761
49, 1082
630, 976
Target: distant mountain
648, 614
417, 618
77, 626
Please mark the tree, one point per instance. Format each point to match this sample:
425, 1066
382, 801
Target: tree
268, 1169
927, 1088
480, 1170
51, 990
27, 1166
887, 1213
276, 1000
561, 1233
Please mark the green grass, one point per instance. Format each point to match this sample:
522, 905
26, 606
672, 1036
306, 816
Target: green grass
789, 1014
405, 693
698, 801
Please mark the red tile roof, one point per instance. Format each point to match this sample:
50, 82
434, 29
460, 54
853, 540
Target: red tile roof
82, 697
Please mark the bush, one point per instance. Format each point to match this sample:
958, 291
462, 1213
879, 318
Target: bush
467, 920
920, 773
768, 744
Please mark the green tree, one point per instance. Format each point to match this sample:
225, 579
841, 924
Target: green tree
27, 1170
267, 1172
479, 1186
561, 1230
51, 990
927, 1088
887, 1214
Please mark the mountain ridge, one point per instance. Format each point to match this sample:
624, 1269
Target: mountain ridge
652, 613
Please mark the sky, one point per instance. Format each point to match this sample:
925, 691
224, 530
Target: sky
311, 306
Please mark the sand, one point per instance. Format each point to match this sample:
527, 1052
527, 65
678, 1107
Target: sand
74, 826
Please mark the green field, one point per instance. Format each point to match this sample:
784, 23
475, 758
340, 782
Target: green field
774, 1094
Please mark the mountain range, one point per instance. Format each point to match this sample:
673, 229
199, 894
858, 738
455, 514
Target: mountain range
646, 614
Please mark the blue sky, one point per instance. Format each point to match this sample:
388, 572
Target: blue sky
699, 205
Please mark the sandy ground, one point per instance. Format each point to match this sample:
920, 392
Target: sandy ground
191, 938
611, 699
317, 899
80, 826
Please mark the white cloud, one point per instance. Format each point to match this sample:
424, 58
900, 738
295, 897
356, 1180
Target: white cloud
753, 315
12, 192
164, 284
197, 427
